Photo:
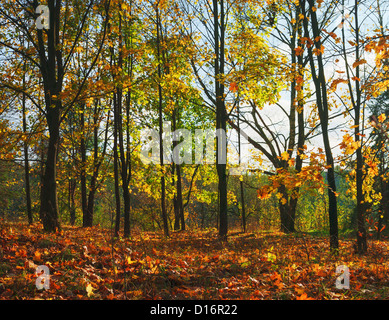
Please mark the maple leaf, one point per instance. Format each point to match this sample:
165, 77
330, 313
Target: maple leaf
381, 118
299, 51
285, 156
233, 87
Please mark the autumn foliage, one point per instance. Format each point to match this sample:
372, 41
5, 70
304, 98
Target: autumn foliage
208, 149
90, 264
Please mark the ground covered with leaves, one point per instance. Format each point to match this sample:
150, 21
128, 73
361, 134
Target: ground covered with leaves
91, 264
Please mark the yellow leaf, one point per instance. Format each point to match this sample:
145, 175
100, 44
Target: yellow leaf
285, 156
381, 118
89, 289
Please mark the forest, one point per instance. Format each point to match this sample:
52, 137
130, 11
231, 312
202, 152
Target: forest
206, 149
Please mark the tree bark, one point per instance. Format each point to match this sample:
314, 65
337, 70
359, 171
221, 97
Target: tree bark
221, 116
361, 233
51, 66
72, 206
160, 120
116, 168
84, 199
49, 202
25, 149
178, 202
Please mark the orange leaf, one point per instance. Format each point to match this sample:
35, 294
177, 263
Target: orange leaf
335, 83
299, 51
317, 51
304, 296
233, 87
381, 118
359, 62
37, 255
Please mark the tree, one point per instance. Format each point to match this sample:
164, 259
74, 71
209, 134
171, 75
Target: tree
52, 60
319, 80
214, 20
260, 64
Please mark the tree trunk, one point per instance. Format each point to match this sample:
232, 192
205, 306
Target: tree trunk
84, 199
221, 117
242, 201
49, 203
123, 171
160, 119
361, 232
322, 105
123, 159
178, 202
72, 206
116, 169
51, 67
25, 149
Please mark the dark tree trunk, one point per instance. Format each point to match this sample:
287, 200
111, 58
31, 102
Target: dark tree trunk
123, 171
116, 169
49, 203
123, 153
286, 213
221, 117
361, 233
96, 165
322, 105
84, 193
178, 202
25, 149
160, 120
72, 206
242, 201
51, 67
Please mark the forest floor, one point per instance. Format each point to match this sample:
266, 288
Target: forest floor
85, 263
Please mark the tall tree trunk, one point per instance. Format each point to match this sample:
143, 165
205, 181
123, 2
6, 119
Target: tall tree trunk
116, 168
93, 179
72, 206
160, 120
178, 203
49, 202
123, 153
242, 200
361, 233
25, 149
124, 172
51, 67
221, 116
84, 199
322, 105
